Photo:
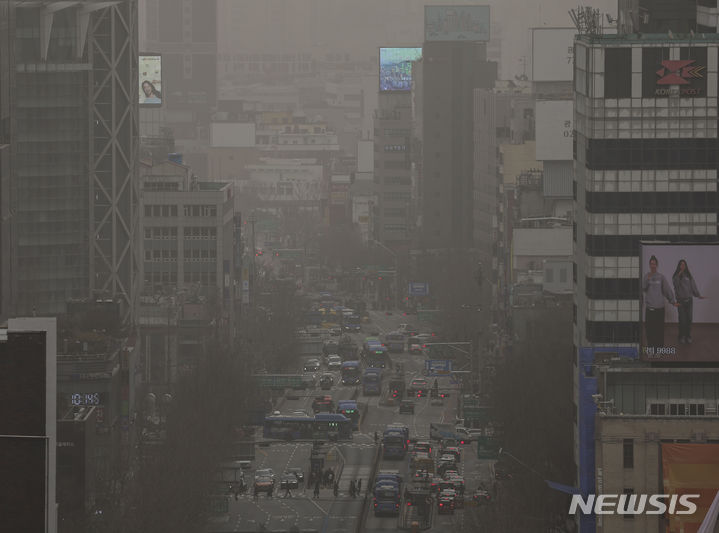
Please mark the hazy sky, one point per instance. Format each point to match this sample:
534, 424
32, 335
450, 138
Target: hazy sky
359, 27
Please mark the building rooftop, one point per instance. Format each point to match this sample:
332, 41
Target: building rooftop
635, 38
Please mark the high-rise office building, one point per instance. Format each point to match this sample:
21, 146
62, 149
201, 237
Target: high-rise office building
74, 115
646, 167
7, 75
645, 153
184, 32
393, 179
28, 389
451, 72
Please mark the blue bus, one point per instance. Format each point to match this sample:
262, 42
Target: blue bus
387, 498
394, 444
372, 382
351, 322
322, 426
378, 358
349, 409
394, 342
350, 372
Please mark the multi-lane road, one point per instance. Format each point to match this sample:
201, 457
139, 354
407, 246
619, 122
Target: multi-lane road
354, 461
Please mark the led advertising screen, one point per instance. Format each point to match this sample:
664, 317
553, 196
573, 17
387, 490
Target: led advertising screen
150, 80
679, 301
456, 23
395, 68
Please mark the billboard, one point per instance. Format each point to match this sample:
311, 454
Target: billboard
150, 80
456, 23
679, 301
395, 68
690, 469
553, 54
554, 124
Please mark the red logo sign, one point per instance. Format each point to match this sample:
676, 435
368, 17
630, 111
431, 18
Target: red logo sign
678, 72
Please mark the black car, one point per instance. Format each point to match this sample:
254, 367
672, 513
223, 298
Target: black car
406, 407
289, 481
326, 381
297, 472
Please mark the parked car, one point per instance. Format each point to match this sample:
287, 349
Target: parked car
406, 407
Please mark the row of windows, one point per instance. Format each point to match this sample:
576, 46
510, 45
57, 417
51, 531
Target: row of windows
205, 210
396, 164
170, 233
189, 254
203, 278
205, 233
624, 332
161, 233
160, 210
395, 212
395, 227
161, 255
652, 202
640, 154
206, 254
628, 245
161, 277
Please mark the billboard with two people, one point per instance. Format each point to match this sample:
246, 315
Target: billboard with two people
679, 296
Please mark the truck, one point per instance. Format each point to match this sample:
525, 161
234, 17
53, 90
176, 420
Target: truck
347, 349
446, 432
309, 346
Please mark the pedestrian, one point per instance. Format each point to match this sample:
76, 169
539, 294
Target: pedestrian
269, 492
317, 490
376, 437
685, 289
359, 486
656, 290
236, 491
352, 488
336, 489
288, 494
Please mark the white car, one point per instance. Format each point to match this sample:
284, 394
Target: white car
334, 362
469, 433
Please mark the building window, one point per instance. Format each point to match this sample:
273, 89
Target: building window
657, 409
628, 453
618, 73
549, 275
200, 210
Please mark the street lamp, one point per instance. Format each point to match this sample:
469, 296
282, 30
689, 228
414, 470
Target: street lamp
396, 271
